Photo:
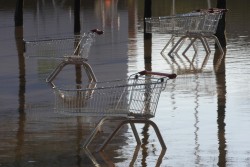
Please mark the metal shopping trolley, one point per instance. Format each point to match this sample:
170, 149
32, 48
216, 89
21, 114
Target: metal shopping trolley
200, 24
205, 28
130, 101
73, 50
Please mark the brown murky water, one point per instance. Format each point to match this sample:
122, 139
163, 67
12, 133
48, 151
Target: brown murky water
203, 115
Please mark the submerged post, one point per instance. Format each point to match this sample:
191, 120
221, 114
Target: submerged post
220, 33
147, 12
18, 18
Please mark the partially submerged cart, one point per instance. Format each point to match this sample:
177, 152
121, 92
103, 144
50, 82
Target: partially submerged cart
130, 101
200, 24
73, 50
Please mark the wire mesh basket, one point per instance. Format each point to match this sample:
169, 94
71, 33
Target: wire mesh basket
176, 24
136, 96
211, 20
200, 21
180, 24
77, 46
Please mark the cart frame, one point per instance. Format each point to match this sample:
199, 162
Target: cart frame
74, 50
200, 24
131, 101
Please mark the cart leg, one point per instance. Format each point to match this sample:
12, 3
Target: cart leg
165, 47
94, 132
159, 160
205, 61
180, 45
135, 155
205, 40
56, 71
89, 72
191, 44
135, 133
177, 43
91, 157
157, 131
191, 63
180, 59
107, 159
205, 44
101, 148
218, 44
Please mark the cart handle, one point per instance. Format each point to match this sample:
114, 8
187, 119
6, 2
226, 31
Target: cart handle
170, 76
97, 31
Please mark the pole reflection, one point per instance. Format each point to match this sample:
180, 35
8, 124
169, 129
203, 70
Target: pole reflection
21, 95
147, 63
220, 75
78, 73
18, 18
148, 67
196, 124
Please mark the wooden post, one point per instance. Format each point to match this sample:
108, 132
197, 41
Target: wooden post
147, 37
18, 18
77, 31
77, 25
147, 12
21, 63
220, 33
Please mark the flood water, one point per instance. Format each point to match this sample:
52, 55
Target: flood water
203, 115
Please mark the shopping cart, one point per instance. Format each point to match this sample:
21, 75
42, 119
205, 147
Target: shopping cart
205, 28
200, 24
130, 101
74, 50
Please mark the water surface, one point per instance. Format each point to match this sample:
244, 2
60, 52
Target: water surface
203, 115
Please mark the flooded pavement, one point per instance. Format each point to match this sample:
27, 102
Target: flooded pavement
203, 115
